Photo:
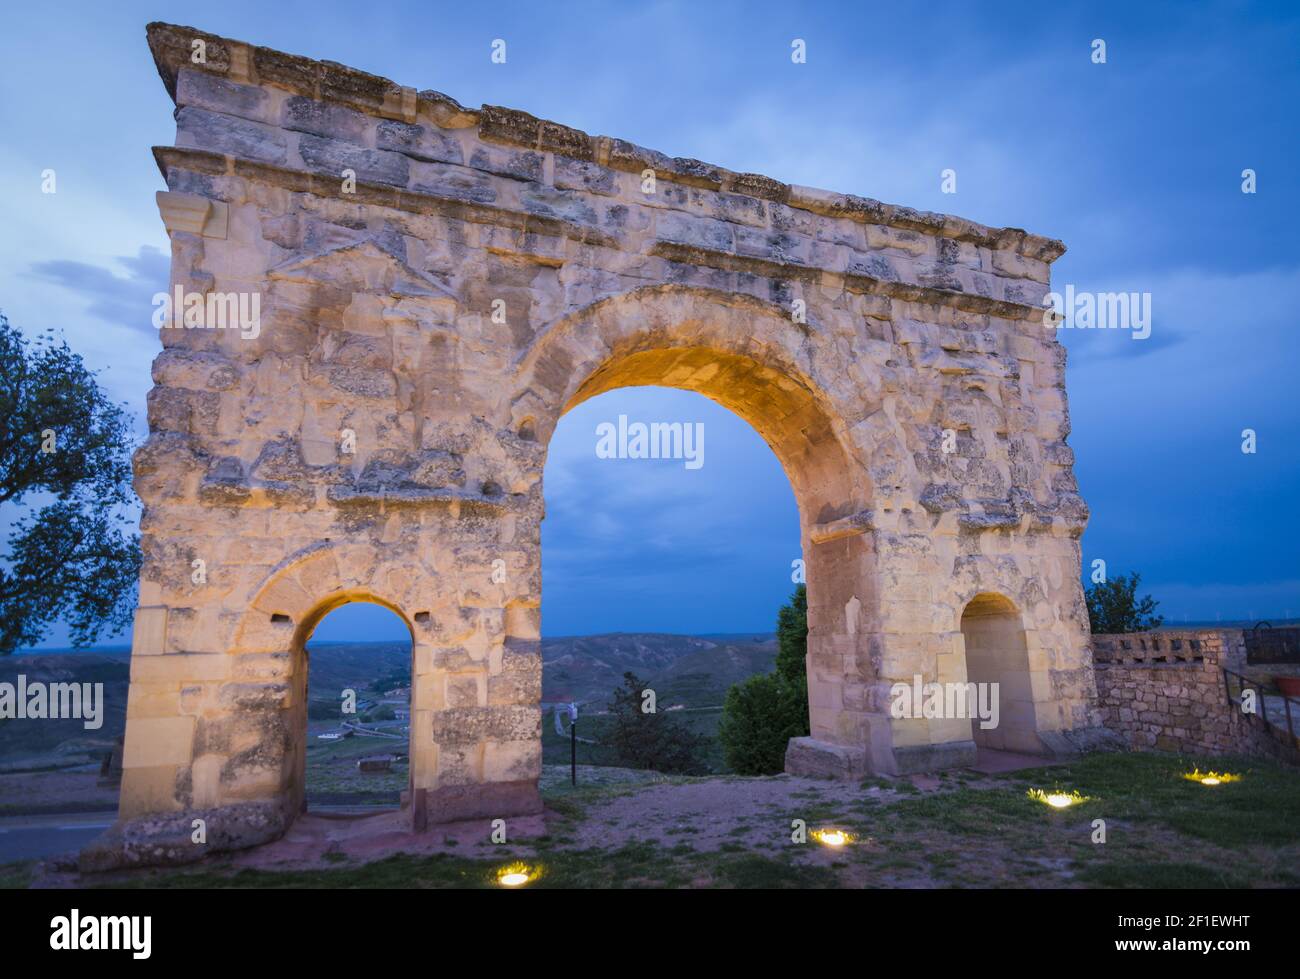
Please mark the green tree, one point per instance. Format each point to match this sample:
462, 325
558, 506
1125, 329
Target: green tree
65, 458
792, 636
761, 714
1113, 606
653, 740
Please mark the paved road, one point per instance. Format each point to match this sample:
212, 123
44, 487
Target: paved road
33, 837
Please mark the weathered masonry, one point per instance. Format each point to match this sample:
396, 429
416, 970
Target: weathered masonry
436, 286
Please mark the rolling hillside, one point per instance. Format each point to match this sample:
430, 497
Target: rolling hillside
694, 671
690, 671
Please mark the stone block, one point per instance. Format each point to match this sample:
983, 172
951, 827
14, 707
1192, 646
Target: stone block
227, 134
180, 668
419, 142
819, 759
149, 632
329, 156
158, 741
337, 122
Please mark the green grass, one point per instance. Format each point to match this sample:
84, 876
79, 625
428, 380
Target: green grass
1262, 808
1162, 830
17, 876
1140, 874
638, 864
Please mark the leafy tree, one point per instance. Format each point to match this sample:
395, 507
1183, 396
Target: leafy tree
657, 741
761, 714
792, 636
1113, 606
64, 452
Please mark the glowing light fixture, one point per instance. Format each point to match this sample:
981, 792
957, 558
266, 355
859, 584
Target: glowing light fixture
1211, 778
832, 837
516, 875
1057, 800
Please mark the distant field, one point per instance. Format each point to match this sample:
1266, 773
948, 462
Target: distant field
689, 671
333, 777
51, 744
556, 748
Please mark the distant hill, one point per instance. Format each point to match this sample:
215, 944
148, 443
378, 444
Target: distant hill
56, 742
334, 666
693, 671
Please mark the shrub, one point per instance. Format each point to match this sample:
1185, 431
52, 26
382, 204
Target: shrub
323, 710
762, 714
759, 718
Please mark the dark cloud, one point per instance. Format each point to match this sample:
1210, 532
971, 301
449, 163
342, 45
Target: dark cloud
1090, 346
123, 300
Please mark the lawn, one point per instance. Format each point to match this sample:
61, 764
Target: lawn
960, 829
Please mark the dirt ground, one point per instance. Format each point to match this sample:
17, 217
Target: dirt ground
611, 807
972, 827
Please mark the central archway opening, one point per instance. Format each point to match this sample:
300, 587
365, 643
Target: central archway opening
672, 538
353, 664
817, 414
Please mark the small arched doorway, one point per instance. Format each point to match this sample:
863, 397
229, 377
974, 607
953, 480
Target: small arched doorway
352, 662
997, 654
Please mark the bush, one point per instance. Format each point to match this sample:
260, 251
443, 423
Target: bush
759, 718
762, 714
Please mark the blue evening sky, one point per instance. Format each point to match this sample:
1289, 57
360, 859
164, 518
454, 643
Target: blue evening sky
1136, 164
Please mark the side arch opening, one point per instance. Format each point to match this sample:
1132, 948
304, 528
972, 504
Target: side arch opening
351, 676
997, 653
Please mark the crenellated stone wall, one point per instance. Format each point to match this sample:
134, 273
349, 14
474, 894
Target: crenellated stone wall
437, 285
1167, 691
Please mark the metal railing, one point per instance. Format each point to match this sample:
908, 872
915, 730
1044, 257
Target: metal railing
1290, 705
1266, 645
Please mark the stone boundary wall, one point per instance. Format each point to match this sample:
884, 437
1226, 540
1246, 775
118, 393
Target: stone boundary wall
1165, 691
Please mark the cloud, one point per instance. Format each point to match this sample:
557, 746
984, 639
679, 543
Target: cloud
122, 300
1227, 332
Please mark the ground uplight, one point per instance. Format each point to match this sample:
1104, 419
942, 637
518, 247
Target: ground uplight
1058, 799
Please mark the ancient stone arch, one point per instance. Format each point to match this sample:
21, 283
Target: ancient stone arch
414, 292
